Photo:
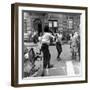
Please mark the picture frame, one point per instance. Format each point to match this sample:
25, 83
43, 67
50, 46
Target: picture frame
66, 19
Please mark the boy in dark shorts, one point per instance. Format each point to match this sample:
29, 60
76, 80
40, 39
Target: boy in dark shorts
58, 45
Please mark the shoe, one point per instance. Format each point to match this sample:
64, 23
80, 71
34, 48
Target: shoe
59, 59
42, 74
50, 66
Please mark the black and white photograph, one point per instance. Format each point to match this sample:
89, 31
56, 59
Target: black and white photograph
51, 45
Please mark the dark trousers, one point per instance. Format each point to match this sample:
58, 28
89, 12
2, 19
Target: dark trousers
46, 55
59, 48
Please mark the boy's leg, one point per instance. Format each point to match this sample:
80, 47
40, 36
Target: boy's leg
44, 65
59, 49
49, 58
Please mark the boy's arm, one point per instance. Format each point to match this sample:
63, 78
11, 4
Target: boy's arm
52, 36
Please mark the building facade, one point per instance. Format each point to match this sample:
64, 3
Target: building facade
63, 22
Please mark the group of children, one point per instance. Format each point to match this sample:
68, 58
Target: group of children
43, 55
75, 45
39, 57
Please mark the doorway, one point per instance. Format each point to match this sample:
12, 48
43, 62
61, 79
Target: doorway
38, 26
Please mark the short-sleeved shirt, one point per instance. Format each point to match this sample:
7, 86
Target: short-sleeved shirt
59, 37
46, 38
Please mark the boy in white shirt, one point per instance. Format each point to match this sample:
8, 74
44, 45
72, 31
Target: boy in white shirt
45, 40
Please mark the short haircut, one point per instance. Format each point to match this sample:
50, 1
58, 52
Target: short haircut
46, 28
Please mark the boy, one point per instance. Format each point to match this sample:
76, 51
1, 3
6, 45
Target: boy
58, 44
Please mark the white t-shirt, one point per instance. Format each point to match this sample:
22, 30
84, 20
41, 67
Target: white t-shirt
59, 37
46, 38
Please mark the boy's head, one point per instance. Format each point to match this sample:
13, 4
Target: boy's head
46, 28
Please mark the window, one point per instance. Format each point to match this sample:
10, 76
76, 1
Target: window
70, 24
53, 25
50, 24
25, 25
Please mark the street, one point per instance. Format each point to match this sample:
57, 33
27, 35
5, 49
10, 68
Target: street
64, 66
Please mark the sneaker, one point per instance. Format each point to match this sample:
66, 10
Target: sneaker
50, 66
59, 59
